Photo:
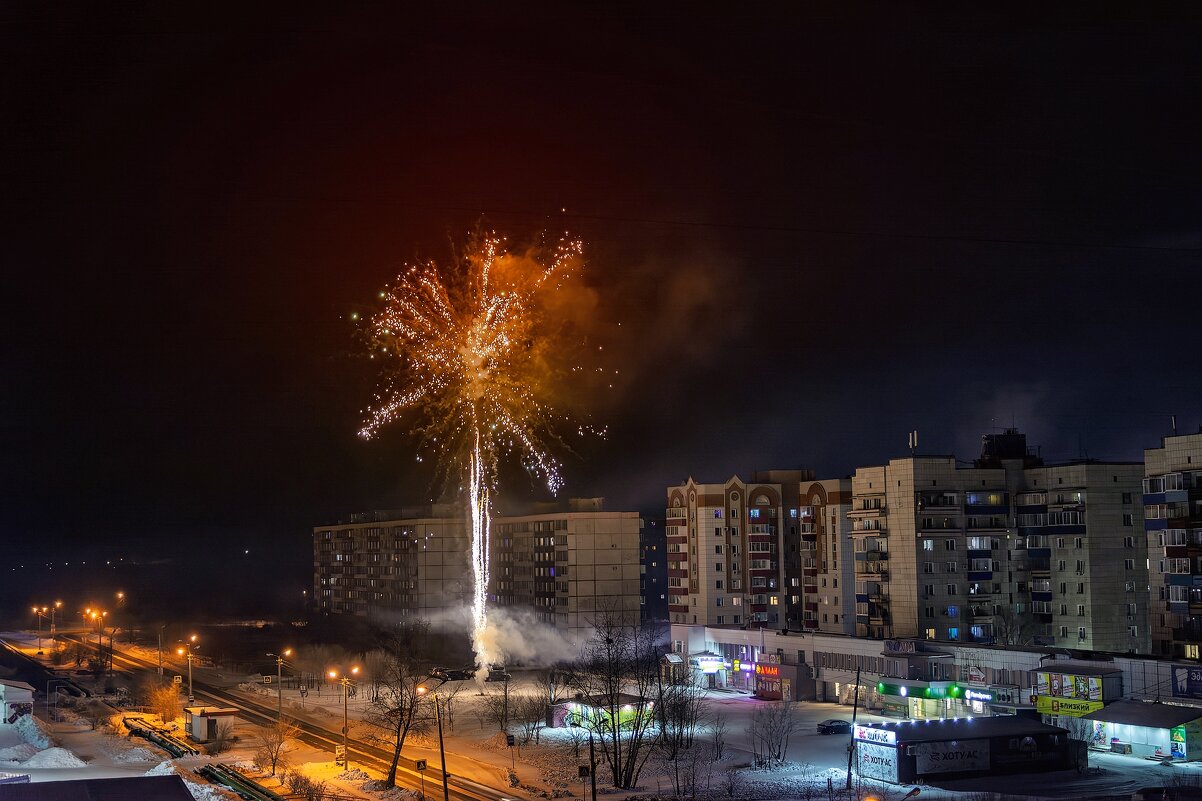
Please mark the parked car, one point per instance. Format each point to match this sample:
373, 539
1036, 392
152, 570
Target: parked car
450, 674
834, 726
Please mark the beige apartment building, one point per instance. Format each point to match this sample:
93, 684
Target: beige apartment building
1005, 549
1172, 504
770, 552
564, 566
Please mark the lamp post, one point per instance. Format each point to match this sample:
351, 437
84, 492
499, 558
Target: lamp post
442, 754
279, 681
346, 682
40, 611
121, 606
188, 650
53, 609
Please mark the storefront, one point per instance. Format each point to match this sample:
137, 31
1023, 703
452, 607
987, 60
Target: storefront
1147, 729
920, 700
906, 751
710, 669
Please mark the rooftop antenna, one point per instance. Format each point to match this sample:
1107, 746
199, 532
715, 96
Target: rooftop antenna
913, 441
1173, 420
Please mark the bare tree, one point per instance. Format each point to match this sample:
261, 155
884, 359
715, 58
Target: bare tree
164, 702
530, 711
1011, 627
447, 696
680, 707
273, 740
718, 736
771, 726
96, 713
401, 676
617, 676
374, 667
223, 737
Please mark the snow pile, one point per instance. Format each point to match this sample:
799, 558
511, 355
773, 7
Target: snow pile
353, 775
136, 755
54, 758
386, 793
32, 731
17, 753
162, 769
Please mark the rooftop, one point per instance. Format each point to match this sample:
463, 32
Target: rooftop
925, 731
1154, 715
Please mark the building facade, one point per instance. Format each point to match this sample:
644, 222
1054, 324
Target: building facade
653, 571
565, 566
1172, 504
827, 562
1005, 550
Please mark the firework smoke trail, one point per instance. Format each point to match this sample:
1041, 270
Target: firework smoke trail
470, 352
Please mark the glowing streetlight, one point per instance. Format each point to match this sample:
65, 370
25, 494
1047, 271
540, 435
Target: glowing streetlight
187, 649
40, 611
346, 682
442, 754
279, 680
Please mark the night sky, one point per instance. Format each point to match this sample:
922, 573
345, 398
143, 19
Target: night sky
819, 229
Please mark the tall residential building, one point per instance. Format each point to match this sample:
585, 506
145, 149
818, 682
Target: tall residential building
653, 570
1006, 550
735, 550
1172, 503
825, 569
565, 566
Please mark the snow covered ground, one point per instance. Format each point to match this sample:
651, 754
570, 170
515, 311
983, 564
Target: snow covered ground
816, 766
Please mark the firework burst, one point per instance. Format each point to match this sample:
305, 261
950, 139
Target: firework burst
471, 358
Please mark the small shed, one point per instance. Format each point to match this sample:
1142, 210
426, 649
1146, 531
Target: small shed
16, 700
201, 721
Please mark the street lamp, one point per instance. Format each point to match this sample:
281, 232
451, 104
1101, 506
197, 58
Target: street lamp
346, 682
188, 650
279, 680
442, 754
40, 611
53, 609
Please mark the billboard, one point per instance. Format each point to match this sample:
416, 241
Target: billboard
877, 761
1064, 685
1187, 681
1071, 707
950, 757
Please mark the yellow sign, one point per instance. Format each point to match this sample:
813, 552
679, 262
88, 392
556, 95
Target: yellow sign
1047, 705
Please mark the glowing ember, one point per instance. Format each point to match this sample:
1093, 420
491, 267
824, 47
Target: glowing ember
471, 354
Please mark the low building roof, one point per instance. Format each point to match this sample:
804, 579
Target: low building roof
211, 711
144, 788
602, 701
927, 731
1153, 715
17, 684
1075, 668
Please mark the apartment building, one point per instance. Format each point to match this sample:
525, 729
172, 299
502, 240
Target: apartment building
1172, 503
1005, 549
565, 566
770, 552
826, 562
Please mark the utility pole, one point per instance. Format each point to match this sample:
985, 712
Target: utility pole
855, 706
592, 763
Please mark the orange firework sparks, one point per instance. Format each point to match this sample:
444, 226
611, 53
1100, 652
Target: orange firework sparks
471, 358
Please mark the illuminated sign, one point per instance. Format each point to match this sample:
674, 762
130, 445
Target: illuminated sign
977, 695
768, 671
1047, 705
870, 735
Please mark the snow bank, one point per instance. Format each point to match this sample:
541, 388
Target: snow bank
162, 769
200, 792
54, 758
16, 753
136, 755
32, 731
